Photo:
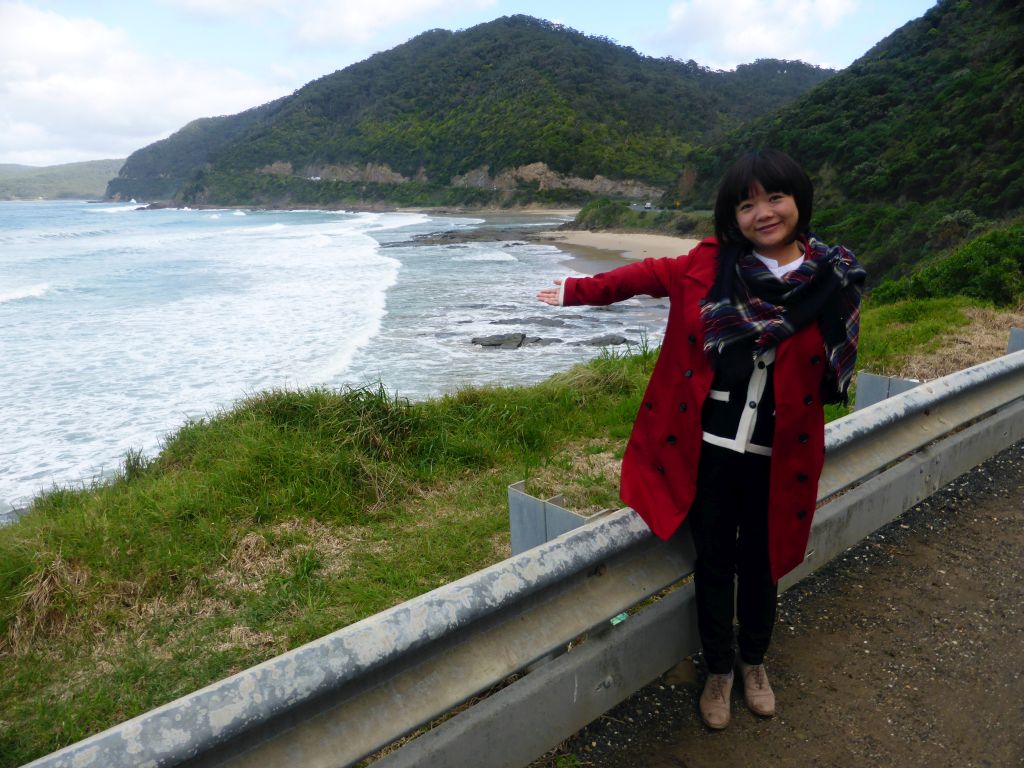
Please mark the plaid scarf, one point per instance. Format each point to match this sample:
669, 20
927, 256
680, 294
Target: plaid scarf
749, 310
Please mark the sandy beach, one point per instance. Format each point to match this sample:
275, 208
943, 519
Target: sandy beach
593, 252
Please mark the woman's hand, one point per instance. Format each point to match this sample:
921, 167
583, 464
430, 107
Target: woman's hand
549, 295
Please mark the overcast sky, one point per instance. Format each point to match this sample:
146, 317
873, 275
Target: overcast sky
99, 79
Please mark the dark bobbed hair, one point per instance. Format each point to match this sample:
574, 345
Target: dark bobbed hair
777, 172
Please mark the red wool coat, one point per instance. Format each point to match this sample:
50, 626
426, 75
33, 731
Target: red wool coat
659, 469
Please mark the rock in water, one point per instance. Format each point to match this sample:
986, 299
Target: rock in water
503, 340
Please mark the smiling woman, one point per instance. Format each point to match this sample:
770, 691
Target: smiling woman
762, 333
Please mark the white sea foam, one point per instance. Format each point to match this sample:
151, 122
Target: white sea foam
126, 208
25, 292
174, 314
487, 256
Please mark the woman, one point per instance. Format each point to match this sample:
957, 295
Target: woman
762, 331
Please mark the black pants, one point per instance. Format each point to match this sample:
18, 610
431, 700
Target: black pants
729, 521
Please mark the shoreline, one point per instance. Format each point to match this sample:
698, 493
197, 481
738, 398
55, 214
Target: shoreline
595, 252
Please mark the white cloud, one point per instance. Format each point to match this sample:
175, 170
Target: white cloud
724, 33
328, 22
356, 20
74, 89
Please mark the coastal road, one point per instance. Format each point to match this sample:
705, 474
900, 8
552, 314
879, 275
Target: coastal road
907, 651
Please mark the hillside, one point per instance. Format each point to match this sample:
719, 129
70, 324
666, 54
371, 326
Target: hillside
915, 146
71, 181
476, 110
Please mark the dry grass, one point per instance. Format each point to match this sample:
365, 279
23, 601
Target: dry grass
241, 636
257, 557
584, 473
985, 338
43, 604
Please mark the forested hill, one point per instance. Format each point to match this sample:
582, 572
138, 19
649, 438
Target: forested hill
79, 181
460, 108
914, 145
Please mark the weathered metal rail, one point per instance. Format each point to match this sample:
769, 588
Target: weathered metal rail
345, 696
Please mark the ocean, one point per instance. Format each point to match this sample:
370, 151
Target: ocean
118, 325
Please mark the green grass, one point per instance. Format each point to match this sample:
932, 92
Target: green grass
891, 333
294, 514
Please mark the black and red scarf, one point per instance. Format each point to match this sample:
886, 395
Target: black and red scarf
750, 310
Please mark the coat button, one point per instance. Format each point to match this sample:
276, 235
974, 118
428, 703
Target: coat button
801, 514
816, 360
752, 404
801, 477
661, 469
682, 407
808, 400
760, 364
671, 439
688, 373
692, 339
804, 437
648, 405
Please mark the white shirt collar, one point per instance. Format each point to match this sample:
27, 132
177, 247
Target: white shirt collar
776, 270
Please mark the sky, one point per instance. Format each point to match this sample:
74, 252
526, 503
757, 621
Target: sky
97, 79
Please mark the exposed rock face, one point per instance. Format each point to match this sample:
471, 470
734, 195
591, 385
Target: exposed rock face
371, 172
545, 178
480, 178
279, 168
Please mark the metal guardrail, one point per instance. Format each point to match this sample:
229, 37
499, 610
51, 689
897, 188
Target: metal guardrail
345, 696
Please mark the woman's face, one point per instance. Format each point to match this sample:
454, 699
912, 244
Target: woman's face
767, 219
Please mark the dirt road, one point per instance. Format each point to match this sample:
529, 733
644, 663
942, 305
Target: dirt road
907, 651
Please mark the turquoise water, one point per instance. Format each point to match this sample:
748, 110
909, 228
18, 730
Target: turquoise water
117, 324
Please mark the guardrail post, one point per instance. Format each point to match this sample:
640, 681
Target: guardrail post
1016, 343
872, 388
534, 521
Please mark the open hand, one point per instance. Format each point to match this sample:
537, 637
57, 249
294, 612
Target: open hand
549, 295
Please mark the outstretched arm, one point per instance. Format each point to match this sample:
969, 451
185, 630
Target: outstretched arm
649, 277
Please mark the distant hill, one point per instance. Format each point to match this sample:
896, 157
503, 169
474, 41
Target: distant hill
516, 104
71, 181
914, 146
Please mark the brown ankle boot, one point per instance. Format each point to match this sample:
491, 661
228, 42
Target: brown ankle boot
714, 701
756, 690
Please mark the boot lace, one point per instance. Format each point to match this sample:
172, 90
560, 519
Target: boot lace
757, 675
717, 686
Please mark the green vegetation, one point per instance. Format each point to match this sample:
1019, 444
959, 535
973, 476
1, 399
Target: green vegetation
618, 215
71, 181
989, 268
297, 513
893, 333
512, 92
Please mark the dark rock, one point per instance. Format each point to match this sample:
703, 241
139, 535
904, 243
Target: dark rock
608, 340
503, 340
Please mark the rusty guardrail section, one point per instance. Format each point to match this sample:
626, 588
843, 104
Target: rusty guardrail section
345, 696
